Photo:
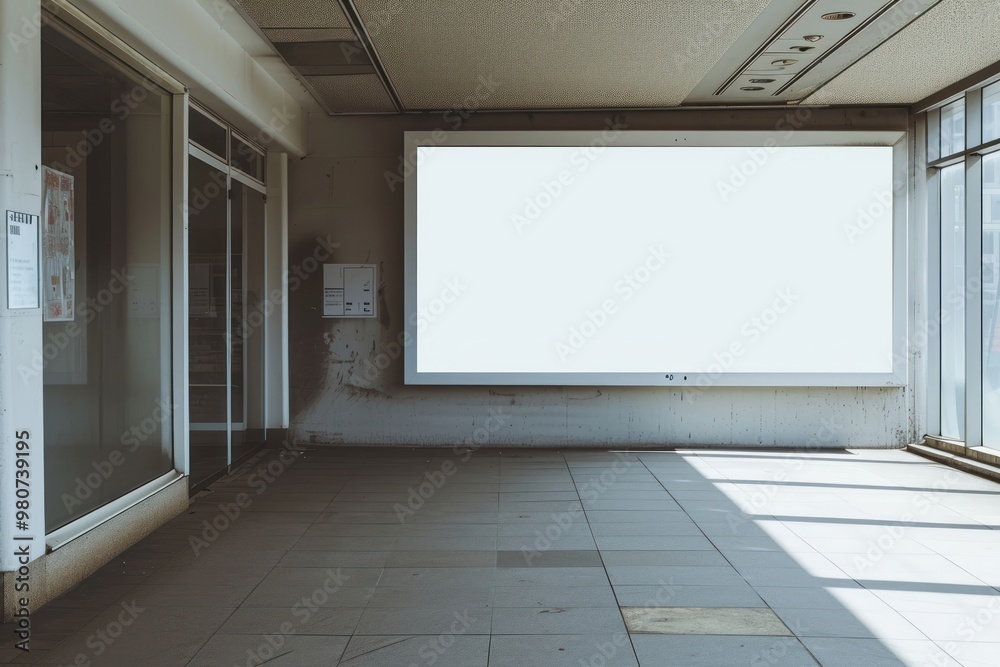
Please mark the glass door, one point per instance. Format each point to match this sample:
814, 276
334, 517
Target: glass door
250, 309
227, 300
209, 315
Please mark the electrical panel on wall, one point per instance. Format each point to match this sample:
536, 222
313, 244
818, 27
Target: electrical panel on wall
349, 290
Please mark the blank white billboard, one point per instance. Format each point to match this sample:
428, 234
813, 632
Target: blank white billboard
602, 263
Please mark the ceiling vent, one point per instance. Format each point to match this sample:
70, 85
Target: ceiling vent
799, 46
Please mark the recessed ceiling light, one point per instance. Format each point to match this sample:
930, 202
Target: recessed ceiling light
802, 49
813, 38
838, 16
761, 80
784, 62
752, 89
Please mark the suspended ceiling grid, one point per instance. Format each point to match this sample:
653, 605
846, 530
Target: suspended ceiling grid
631, 53
318, 42
387, 56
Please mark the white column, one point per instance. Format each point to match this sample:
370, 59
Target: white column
20, 328
276, 369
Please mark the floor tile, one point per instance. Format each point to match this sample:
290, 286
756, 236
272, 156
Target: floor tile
423, 577
697, 558
442, 559
438, 595
325, 578
703, 621
272, 649
982, 626
539, 541
856, 623
973, 654
326, 559
408, 543
557, 620
156, 636
303, 620
609, 649
438, 650
653, 542
552, 576
189, 595
852, 652
674, 574
425, 621
672, 595
816, 597
281, 595
554, 596
714, 650
556, 558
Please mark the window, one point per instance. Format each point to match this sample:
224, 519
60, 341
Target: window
969, 214
107, 356
207, 133
991, 112
991, 301
953, 128
248, 159
953, 302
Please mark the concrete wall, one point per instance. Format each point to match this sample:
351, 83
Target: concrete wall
347, 191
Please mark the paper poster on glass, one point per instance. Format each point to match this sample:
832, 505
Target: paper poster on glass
22, 260
58, 256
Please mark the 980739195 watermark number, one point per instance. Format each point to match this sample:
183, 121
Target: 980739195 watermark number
22, 539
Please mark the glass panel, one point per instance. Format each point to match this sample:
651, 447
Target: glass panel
953, 302
247, 159
207, 133
991, 112
249, 313
208, 313
953, 128
107, 330
991, 300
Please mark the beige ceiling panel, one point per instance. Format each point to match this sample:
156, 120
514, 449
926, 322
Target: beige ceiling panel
953, 40
541, 54
296, 35
295, 13
352, 93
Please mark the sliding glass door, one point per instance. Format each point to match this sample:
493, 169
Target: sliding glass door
209, 306
226, 308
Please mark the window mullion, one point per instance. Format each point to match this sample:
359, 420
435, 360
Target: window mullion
973, 118
973, 301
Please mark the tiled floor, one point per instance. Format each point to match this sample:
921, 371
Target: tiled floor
435, 557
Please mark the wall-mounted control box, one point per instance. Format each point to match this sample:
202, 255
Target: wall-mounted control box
349, 290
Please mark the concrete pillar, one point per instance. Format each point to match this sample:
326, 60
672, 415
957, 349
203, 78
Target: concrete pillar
276, 372
22, 507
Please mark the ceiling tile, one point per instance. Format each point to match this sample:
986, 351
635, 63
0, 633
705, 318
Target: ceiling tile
354, 93
295, 13
539, 54
309, 34
952, 40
